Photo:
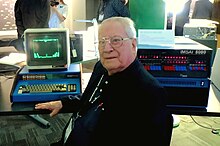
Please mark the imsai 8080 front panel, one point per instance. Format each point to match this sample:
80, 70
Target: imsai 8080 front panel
183, 69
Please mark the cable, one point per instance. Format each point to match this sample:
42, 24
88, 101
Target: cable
9, 70
10, 74
213, 130
215, 86
9, 43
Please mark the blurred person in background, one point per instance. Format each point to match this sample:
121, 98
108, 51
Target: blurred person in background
30, 14
182, 18
58, 14
112, 8
202, 10
216, 17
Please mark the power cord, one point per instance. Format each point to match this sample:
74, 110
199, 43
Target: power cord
213, 130
8, 75
215, 86
9, 43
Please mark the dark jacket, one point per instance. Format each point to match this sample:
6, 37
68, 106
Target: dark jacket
112, 8
216, 14
31, 14
134, 109
202, 10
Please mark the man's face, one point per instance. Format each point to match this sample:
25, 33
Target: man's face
115, 54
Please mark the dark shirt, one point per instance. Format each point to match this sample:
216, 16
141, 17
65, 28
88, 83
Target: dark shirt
134, 108
31, 14
202, 10
113, 8
216, 14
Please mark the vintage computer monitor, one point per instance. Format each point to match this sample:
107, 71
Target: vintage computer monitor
47, 48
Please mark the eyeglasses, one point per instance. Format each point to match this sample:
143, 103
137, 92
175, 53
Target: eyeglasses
115, 41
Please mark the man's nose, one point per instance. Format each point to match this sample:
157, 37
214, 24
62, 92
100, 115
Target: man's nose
107, 46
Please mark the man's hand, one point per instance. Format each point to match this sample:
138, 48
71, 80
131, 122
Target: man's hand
54, 106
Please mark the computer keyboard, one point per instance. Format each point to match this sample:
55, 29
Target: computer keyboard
45, 85
41, 88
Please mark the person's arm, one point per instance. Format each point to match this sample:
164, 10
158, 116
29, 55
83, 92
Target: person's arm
53, 106
125, 2
69, 102
62, 16
44, 14
194, 13
121, 8
72, 103
18, 19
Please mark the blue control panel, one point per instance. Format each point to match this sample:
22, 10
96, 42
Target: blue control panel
46, 85
183, 69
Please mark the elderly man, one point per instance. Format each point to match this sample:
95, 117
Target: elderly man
130, 101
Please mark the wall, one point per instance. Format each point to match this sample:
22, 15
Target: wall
148, 14
7, 21
78, 9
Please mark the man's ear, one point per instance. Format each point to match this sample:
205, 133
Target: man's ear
134, 44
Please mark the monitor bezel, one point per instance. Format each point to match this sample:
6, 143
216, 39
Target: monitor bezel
48, 63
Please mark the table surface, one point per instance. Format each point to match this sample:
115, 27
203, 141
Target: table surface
8, 108
212, 109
